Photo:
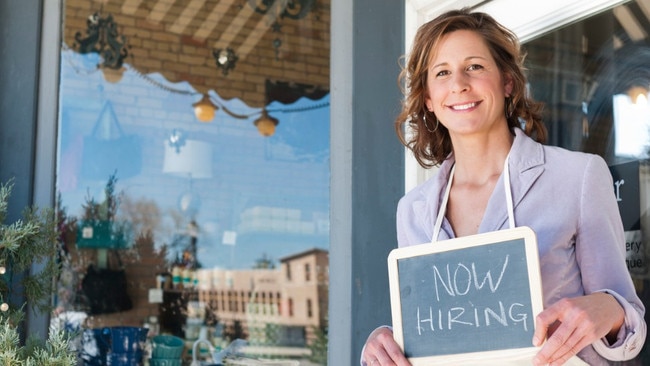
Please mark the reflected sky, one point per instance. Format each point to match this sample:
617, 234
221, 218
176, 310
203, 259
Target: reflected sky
250, 196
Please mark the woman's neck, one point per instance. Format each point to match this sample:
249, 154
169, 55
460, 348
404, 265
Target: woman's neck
480, 159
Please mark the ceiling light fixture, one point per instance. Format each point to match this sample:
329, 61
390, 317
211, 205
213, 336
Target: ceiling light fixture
225, 59
266, 124
204, 109
103, 38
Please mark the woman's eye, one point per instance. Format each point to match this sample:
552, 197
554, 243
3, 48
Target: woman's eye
442, 73
474, 67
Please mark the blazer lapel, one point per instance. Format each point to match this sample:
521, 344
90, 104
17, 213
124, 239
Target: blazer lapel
526, 164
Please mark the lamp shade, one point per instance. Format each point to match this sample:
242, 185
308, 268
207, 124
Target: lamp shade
192, 160
266, 124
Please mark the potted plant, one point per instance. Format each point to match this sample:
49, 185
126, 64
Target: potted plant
99, 227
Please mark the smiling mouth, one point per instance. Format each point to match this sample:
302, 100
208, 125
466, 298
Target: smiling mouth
463, 107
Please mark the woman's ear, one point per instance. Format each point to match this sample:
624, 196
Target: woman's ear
428, 104
507, 85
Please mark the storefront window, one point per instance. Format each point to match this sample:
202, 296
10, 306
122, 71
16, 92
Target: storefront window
192, 168
594, 77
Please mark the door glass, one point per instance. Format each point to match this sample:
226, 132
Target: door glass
193, 178
594, 76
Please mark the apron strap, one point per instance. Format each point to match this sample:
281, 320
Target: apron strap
508, 192
443, 207
445, 199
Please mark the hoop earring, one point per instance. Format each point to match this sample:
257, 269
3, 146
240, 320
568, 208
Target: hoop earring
509, 107
426, 125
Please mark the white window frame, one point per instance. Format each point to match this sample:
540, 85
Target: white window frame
527, 20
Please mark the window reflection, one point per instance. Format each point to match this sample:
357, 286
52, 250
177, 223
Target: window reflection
594, 77
203, 218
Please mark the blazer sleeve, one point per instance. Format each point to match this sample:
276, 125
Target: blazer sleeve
600, 251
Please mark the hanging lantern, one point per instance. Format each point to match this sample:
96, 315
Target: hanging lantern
204, 109
113, 75
266, 124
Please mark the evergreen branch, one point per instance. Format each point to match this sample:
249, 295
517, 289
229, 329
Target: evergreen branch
5, 192
33, 239
14, 235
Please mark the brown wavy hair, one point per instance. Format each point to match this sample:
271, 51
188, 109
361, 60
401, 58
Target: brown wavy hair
431, 144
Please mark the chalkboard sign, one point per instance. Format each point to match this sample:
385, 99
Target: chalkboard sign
468, 299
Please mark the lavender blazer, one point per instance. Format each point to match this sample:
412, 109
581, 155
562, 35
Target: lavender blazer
568, 199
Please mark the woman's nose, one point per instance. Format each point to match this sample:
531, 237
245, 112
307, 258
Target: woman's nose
459, 83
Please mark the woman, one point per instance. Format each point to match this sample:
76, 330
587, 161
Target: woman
469, 113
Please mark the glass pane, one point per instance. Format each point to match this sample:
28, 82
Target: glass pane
594, 77
193, 177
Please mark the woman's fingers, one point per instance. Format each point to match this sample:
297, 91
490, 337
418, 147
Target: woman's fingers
382, 350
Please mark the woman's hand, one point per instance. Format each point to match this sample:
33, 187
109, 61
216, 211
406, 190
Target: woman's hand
382, 350
572, 324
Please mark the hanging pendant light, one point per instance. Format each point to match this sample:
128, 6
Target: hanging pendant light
225, 59
204, 109
266, 124
113, 75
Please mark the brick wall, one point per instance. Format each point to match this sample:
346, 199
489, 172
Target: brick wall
176, 39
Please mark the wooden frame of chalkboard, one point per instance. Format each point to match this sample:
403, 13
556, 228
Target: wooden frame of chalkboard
470, 300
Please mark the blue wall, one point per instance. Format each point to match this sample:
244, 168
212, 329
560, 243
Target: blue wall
20, 30
20, 24
367, 167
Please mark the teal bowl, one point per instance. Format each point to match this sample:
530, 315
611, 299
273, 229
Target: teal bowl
167, 347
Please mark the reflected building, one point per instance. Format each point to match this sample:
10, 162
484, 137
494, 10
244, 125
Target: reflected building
278, 310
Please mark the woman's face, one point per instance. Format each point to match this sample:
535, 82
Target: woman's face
465, 88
